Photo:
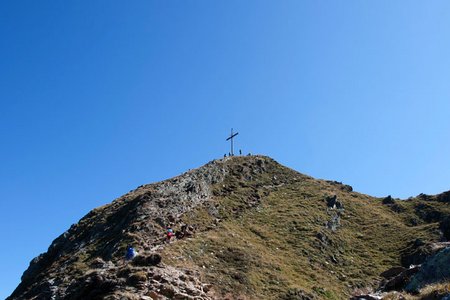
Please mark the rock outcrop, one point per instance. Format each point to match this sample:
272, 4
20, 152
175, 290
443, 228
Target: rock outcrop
434, 269
245, 228
87, 260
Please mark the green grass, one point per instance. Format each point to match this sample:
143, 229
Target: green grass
267, 242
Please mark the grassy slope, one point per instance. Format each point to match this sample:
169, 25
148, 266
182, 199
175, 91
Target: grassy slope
271, 240
267, 241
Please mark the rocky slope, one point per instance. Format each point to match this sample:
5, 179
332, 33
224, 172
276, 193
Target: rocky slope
258, 230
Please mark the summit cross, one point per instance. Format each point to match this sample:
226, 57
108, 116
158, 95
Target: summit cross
230, 138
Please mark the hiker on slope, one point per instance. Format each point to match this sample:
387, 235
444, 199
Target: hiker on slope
131, 253
169, 234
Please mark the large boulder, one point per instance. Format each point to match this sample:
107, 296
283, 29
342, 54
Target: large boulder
399, 281
435, 269
333, 202
388, 200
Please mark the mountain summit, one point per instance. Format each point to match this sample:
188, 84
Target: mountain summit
246, 228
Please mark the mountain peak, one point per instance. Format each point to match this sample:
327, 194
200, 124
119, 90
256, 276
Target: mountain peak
246, 227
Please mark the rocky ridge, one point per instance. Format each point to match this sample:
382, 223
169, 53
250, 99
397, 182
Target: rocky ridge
86, 261
261, 231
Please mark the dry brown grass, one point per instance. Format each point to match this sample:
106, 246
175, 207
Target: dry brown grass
268, 249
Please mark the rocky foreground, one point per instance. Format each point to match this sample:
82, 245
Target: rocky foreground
258, 230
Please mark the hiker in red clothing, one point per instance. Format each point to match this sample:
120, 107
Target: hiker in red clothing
169, 234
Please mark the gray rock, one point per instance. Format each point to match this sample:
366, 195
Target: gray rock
334, 223
333, 203
435, 269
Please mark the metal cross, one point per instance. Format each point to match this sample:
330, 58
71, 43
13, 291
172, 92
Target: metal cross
231, 138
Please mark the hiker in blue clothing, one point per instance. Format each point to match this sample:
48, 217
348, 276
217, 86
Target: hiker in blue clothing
131, 253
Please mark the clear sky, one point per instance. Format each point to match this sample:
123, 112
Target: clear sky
99, 97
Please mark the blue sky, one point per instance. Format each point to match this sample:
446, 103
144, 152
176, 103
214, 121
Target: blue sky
99, 97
